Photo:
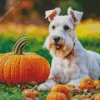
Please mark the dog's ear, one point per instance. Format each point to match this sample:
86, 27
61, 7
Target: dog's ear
50, 14
75, 15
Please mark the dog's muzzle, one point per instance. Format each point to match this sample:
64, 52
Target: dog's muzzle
56, 40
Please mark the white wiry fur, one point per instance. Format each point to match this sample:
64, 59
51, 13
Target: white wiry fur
82, 64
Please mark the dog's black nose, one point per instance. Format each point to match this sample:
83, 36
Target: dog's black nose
56, 39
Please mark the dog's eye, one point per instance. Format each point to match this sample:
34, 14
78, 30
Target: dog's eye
66, 27
53, 27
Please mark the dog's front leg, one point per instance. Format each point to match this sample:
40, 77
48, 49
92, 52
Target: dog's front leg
51, 79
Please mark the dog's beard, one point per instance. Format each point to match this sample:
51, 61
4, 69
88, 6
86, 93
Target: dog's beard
60, 49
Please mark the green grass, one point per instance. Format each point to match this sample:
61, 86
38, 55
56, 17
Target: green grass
34, 45
10, 93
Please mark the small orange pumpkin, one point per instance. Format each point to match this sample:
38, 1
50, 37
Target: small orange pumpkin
97, 97
26, 93
56, 96
32, 94
96, 82
62, 89
18, 67
87, 83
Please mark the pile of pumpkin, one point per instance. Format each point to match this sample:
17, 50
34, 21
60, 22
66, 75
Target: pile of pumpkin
87, 90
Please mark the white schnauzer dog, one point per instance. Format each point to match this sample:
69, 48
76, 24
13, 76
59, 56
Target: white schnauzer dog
71, 62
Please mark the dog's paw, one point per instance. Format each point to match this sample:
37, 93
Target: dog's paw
74, 82
43, 87
47, 85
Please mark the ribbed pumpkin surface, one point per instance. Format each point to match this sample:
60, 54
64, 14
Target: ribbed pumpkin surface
62, 89
56, 96
87, 83
21, 68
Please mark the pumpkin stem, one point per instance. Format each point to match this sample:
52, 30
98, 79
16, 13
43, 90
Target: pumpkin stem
18, 47
34, 88
89, 82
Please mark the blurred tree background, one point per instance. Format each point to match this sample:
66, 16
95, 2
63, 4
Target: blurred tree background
32, 11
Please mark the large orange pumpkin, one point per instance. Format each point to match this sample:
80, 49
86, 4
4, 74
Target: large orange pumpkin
62, 89
18, 67
56, 96
87, 83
